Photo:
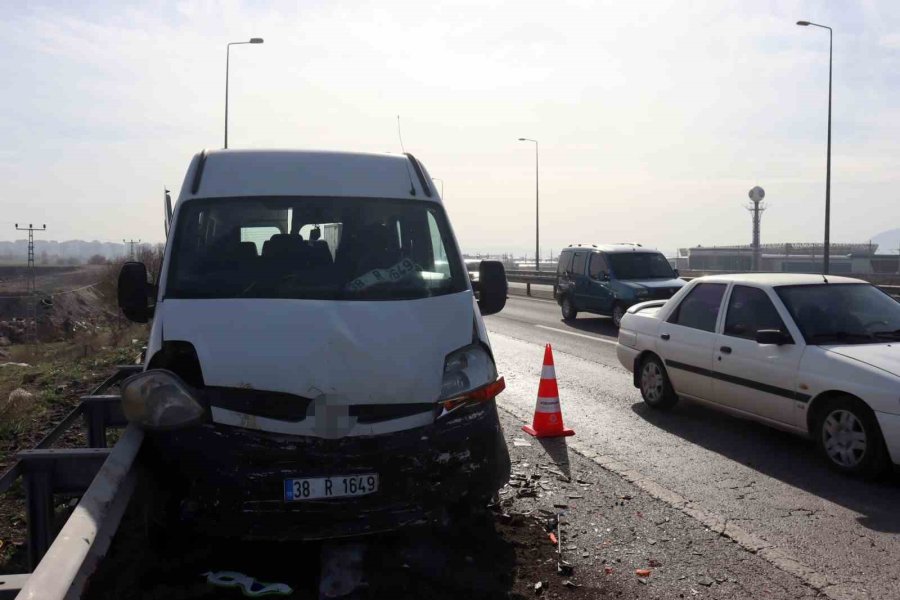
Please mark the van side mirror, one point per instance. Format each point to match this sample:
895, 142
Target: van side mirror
773, 336
492, 287
134, 292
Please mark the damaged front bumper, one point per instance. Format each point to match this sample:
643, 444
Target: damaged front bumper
235, 476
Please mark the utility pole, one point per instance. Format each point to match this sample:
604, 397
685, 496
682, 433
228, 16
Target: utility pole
32, 289
131, 244
757, 208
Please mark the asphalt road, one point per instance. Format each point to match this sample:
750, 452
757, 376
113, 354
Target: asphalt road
771, 484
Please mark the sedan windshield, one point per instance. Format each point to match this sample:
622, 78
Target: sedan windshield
325, 248
856, 313
640, 265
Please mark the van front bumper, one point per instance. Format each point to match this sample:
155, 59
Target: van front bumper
234, 477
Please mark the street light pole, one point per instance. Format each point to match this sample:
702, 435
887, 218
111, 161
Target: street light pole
227, 60
537, 204
826, 252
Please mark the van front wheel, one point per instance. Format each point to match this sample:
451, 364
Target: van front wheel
568, 309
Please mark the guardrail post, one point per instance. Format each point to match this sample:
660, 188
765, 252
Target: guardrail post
528, 289
39, 506
95, 415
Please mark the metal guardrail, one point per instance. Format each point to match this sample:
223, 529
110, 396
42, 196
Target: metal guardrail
47, 472
530, 278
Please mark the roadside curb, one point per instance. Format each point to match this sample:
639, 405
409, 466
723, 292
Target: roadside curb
716, 523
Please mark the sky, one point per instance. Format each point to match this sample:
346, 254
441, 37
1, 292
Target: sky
654, 118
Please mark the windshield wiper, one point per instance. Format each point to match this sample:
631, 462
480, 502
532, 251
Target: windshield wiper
840, 336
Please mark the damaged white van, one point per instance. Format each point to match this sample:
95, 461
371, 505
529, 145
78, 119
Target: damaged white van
318, 365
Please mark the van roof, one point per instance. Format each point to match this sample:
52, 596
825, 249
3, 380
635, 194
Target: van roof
233, 173
610, 248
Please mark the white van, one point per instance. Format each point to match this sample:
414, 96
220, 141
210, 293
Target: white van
317, 365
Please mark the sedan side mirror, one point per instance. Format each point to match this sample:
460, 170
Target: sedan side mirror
492, 287
773, 336
134, 292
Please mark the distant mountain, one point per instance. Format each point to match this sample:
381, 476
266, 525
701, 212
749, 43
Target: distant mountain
72, 250
888, 241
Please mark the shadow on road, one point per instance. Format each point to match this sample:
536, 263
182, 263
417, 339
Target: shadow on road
558, 451
783, 456
596, 325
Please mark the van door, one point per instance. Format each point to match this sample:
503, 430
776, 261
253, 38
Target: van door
600, 290
563, 279
751, 377
580, 279
687, 339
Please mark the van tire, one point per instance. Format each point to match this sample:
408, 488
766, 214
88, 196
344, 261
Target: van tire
845, 416
569, 312
618, 312
653, 381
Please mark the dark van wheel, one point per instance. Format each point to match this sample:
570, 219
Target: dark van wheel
655, 386
848, 436
568, 309
617, 313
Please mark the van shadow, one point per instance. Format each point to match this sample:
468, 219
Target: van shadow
595, 325
781, 455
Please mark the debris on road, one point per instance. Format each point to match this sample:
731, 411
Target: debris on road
250, 587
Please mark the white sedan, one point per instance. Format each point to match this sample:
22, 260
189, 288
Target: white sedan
816, 355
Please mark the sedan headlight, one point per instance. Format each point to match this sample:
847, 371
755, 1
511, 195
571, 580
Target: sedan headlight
470, 376
159, 399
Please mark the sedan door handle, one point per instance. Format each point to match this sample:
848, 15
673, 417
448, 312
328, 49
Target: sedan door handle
665, 336
725, 349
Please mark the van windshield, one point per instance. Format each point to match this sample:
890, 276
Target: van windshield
640, 265
317, 248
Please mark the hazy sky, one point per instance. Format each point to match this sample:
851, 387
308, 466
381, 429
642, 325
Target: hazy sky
654, 117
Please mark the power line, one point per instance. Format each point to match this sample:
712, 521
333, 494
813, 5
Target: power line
32, 290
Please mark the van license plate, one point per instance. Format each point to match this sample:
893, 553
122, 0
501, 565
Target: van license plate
342, 486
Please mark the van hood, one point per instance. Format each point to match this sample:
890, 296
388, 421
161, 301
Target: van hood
881, 356
341, 353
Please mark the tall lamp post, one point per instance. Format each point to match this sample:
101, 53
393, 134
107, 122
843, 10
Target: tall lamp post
537, 213
227, 59
827, 250
442, 185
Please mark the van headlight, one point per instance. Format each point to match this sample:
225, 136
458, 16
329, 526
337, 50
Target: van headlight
159, 399
470, 376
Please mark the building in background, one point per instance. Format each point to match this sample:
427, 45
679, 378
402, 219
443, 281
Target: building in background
859, 258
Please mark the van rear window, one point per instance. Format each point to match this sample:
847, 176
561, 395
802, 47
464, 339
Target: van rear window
317, 248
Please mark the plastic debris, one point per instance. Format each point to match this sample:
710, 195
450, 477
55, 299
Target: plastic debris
249, 586
565, 569
520, 443
570, 584
608, 570
553, 539
539, 587
642, 572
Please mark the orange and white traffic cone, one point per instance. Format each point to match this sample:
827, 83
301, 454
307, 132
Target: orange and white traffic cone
548, 421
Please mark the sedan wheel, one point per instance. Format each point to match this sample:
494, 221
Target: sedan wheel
654, 383
844, 438
848, 435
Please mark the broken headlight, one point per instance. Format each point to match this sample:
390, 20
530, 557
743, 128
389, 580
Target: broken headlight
469, 376
159, 399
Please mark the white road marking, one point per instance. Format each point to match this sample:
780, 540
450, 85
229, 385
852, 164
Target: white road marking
590, 337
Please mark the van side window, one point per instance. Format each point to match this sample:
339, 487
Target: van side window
565, 263
578, 263
750, 310
598, 266
700, 308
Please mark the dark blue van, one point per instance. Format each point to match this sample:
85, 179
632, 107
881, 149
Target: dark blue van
607, 279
